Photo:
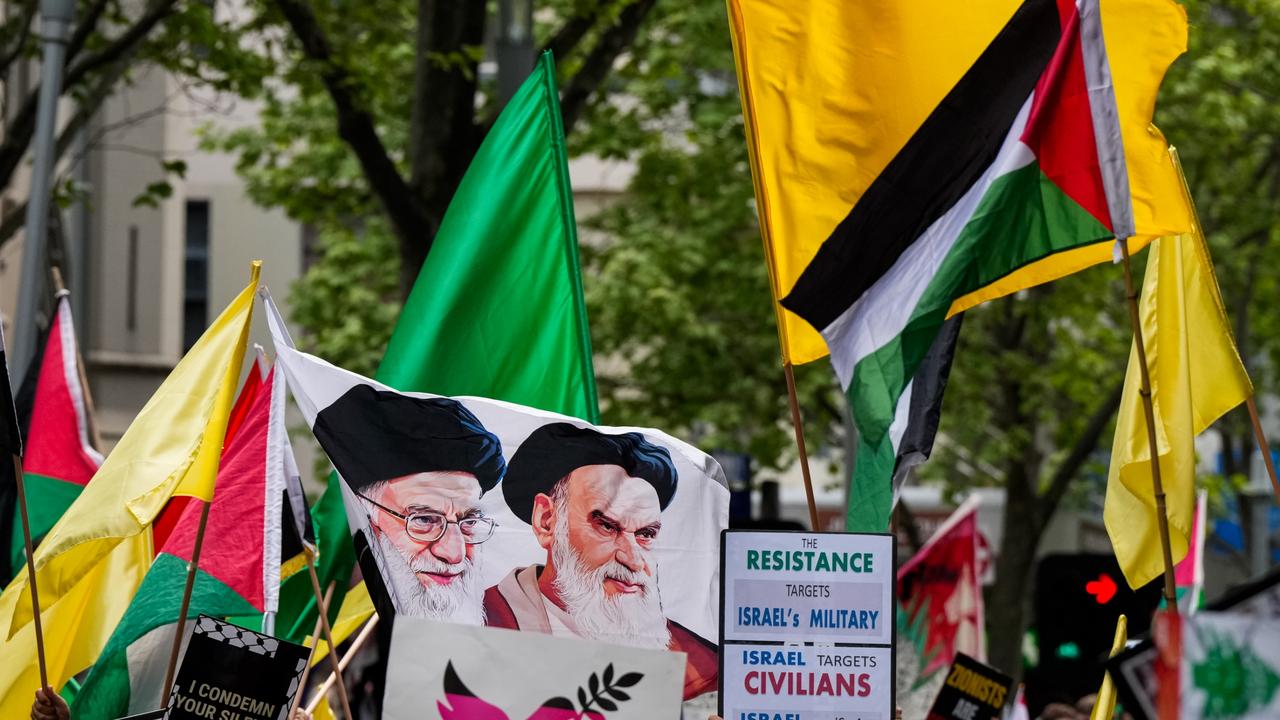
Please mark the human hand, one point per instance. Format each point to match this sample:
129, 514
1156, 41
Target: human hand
49, 705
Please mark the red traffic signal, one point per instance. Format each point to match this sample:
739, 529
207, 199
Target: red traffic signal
1102, 589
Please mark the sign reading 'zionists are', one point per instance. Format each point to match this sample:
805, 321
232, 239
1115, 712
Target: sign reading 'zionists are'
830, 588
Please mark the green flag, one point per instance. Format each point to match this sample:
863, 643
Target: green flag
497, 310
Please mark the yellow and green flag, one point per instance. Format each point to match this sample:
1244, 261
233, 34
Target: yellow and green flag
94, 558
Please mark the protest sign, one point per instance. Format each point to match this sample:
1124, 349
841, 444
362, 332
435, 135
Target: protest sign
972, 691
446, 671
834, 589
1230, 667
152, 715
1133, 670
478, 511
232, 673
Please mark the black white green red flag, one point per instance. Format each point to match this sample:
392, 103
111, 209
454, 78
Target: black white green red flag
60, 457
239, 570
1021, 160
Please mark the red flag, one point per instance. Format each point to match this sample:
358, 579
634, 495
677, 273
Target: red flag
940, 591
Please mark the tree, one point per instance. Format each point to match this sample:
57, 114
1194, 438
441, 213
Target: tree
404, 105
110, 40
1221, 107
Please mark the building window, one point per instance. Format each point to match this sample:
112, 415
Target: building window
195, 294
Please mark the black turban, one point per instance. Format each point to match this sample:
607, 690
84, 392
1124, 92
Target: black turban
374, 435
553, 451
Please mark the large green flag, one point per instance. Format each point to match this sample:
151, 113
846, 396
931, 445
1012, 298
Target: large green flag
497, 309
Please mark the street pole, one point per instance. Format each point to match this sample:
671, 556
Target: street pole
514, 46
55, 27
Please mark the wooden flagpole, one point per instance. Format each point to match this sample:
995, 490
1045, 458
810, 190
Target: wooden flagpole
1259, 437
31, 571
798, 423
186, 605
306, 671
356, 644
1263, 446
1148, 408
328, 635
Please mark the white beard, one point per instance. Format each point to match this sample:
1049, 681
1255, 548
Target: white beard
460, 601
630, 619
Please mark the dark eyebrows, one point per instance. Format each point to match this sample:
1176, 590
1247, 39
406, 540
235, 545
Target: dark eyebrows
470, 513
599, 515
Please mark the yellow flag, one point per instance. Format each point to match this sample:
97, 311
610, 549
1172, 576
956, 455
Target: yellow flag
92, 561
357, 607
832, 90
76, 628
1196, 376
323, 711
1105, 706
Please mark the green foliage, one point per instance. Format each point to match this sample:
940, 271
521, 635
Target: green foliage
348, 301
677, 292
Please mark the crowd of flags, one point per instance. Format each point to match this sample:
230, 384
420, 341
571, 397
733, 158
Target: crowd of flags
902, 177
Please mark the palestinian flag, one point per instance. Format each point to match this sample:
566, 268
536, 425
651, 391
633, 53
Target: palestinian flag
238, 572
1020, 160
60, 457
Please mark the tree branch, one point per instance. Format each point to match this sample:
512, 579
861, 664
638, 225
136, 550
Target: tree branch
24, 32
18, 133
1080, 452
85, 28
357, 128
124, 45
599, 62
85, 110
565, 40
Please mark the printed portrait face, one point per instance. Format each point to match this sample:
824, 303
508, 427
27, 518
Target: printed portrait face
599, 526
430, 528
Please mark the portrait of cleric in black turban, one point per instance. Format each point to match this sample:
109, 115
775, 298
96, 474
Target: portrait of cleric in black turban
595, 503
418, 467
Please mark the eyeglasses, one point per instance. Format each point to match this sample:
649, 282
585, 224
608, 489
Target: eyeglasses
429, 526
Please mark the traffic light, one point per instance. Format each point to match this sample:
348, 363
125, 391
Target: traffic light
1077, 600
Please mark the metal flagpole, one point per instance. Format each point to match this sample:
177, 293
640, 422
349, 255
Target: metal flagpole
55, 26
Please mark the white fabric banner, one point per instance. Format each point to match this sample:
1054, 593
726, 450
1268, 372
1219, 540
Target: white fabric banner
478, 511
460, 672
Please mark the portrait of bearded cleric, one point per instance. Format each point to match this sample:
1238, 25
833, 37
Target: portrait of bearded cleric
595, 503
418, 468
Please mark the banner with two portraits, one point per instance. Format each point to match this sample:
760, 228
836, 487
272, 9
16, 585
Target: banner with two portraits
482, 512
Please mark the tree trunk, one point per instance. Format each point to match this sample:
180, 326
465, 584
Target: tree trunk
1008, 600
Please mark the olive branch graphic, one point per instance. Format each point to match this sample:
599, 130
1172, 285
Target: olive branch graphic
604, 691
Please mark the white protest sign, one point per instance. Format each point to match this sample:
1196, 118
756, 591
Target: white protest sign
461, 672
835, 590
808, 587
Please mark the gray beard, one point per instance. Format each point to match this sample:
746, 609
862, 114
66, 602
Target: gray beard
461, 601
635, 620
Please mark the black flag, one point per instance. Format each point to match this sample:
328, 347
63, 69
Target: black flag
10, 430
925, 409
